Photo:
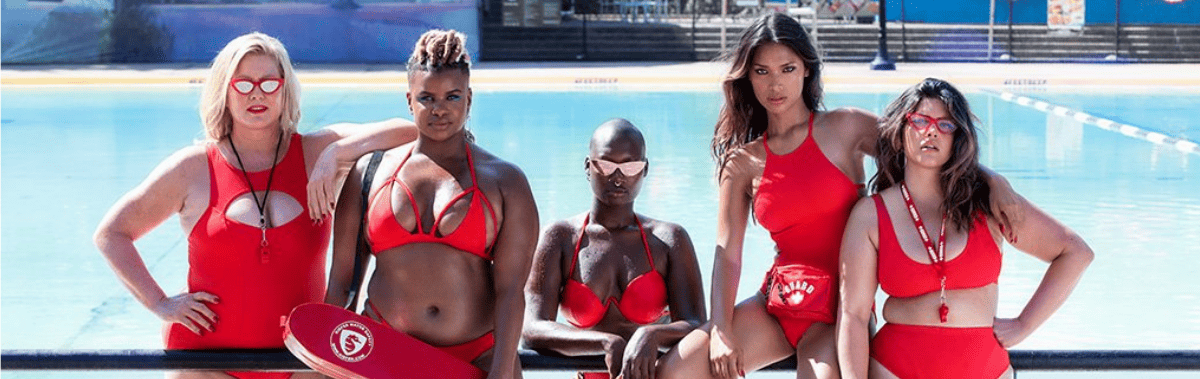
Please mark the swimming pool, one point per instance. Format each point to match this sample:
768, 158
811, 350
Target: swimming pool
69, 152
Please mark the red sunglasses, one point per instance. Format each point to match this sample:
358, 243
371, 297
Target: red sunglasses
267, 85
921, 123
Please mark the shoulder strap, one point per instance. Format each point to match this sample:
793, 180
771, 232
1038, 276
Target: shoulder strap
364, 247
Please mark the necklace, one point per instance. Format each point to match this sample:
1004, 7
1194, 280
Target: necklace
264, 252
937, 258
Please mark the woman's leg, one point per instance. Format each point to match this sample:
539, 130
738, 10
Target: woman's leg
758, 335
816, 354
877, 371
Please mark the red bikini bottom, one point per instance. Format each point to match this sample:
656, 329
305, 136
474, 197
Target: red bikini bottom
918, 351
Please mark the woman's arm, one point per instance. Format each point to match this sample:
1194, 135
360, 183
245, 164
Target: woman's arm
139, 211
685, 297
513, 254
346, 221
859, 258
542, 293
1045, 238
1007, 206
733, 212
339, 146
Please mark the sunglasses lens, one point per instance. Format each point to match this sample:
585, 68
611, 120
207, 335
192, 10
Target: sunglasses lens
919, 122
632, 168
947, 126
243, 86
270, 85
606, 168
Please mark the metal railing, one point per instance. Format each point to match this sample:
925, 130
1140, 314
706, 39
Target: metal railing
282, 360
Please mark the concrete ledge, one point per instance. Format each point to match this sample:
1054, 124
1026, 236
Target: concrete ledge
647, 76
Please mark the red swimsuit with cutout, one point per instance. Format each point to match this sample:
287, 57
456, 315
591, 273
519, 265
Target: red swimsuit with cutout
644, 300
805, 202
226, 259
384, 232
929, 351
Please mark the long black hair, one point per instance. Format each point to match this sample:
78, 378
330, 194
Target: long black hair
743, 118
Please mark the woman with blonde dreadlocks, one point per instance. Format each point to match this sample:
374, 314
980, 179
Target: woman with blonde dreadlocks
452, 228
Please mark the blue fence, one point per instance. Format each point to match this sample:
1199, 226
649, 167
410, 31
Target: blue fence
1185, 12
127, 31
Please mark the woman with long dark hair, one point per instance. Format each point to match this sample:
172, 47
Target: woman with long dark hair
796, 167
929, 239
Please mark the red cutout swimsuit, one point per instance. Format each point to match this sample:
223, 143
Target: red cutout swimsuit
225, 259
644, 300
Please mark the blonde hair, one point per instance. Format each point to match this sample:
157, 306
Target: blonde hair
437, 50
213, 112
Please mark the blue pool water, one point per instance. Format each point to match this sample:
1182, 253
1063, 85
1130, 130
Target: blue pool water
68, 153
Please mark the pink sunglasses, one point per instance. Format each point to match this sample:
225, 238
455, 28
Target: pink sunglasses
607, 168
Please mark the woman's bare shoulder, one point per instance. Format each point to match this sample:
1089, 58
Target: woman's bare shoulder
673, 234
508, 178
745, 161
189, 161
564, 229
851, 117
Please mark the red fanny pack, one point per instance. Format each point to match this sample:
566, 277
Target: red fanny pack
800, 292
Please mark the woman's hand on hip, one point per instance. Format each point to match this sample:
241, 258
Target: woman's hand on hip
188, 309
1010, 331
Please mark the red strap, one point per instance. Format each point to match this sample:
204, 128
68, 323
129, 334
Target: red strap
578, 242
583, 230
937, 258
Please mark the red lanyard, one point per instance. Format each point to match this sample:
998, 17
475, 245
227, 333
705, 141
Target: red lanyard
937, 257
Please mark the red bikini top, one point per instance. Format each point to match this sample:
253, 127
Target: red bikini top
978, 265
384, 232
644, 300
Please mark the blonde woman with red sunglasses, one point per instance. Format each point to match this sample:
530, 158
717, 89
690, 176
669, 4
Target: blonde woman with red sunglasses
253, 198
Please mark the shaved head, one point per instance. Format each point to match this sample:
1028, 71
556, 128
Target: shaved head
618, 133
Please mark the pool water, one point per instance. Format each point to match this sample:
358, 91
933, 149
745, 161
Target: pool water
69, 152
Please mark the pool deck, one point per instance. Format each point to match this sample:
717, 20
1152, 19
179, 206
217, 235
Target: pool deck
645, 75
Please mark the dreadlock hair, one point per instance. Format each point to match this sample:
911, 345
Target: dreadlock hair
438, 50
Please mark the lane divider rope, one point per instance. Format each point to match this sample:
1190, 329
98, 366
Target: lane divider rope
1180, 144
